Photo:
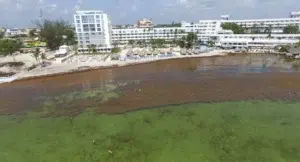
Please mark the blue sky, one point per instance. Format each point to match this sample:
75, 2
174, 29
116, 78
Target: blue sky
22, 12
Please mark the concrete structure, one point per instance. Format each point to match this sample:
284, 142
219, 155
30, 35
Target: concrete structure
93, 27
16, 31
206, 30
255, 40
122, 36
144, 23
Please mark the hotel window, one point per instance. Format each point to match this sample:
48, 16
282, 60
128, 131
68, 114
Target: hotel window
98, 29
87, 41
84, 19
78, 21
85, 29
91, 19
98, 25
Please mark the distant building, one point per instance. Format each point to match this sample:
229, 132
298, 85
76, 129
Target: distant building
295, 14
16, 32
225, 17
144, 23
93, 27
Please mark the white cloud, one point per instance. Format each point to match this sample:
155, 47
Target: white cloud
77, 7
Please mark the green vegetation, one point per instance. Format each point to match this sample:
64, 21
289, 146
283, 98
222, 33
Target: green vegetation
167, 25
291, 29
268, 31
255, 29
227, 132
92, 48
36, 54
188, 41
1, 35
157, 43
284, 49
116, 50
64, 103
56, 33
131, 42
32, 33
237, 29
9, 46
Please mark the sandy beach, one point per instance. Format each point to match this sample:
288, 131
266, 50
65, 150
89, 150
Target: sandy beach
83, 62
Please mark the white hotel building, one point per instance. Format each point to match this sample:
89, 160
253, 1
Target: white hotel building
93, 27
205, 29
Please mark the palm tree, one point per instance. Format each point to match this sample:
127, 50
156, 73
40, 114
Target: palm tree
269, 31
254, 29
32, 32
176, 32
115, 44
144, 43
36, 54
139, 42
43, 56
93, 48
261, 25
131, 42
89, 46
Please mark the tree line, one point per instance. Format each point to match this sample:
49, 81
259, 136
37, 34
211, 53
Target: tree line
54, 32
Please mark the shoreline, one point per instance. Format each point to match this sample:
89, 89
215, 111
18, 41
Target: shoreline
103, 65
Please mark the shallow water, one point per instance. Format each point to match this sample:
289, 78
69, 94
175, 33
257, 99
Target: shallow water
167, 82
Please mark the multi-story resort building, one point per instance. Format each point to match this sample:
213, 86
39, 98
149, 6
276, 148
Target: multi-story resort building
93, 28
211, 30
144, 23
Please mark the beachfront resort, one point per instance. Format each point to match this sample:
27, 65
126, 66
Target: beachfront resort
97, 38
213, 90
94, 27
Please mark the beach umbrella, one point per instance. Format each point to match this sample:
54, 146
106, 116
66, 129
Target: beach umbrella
162, 51
142, 52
